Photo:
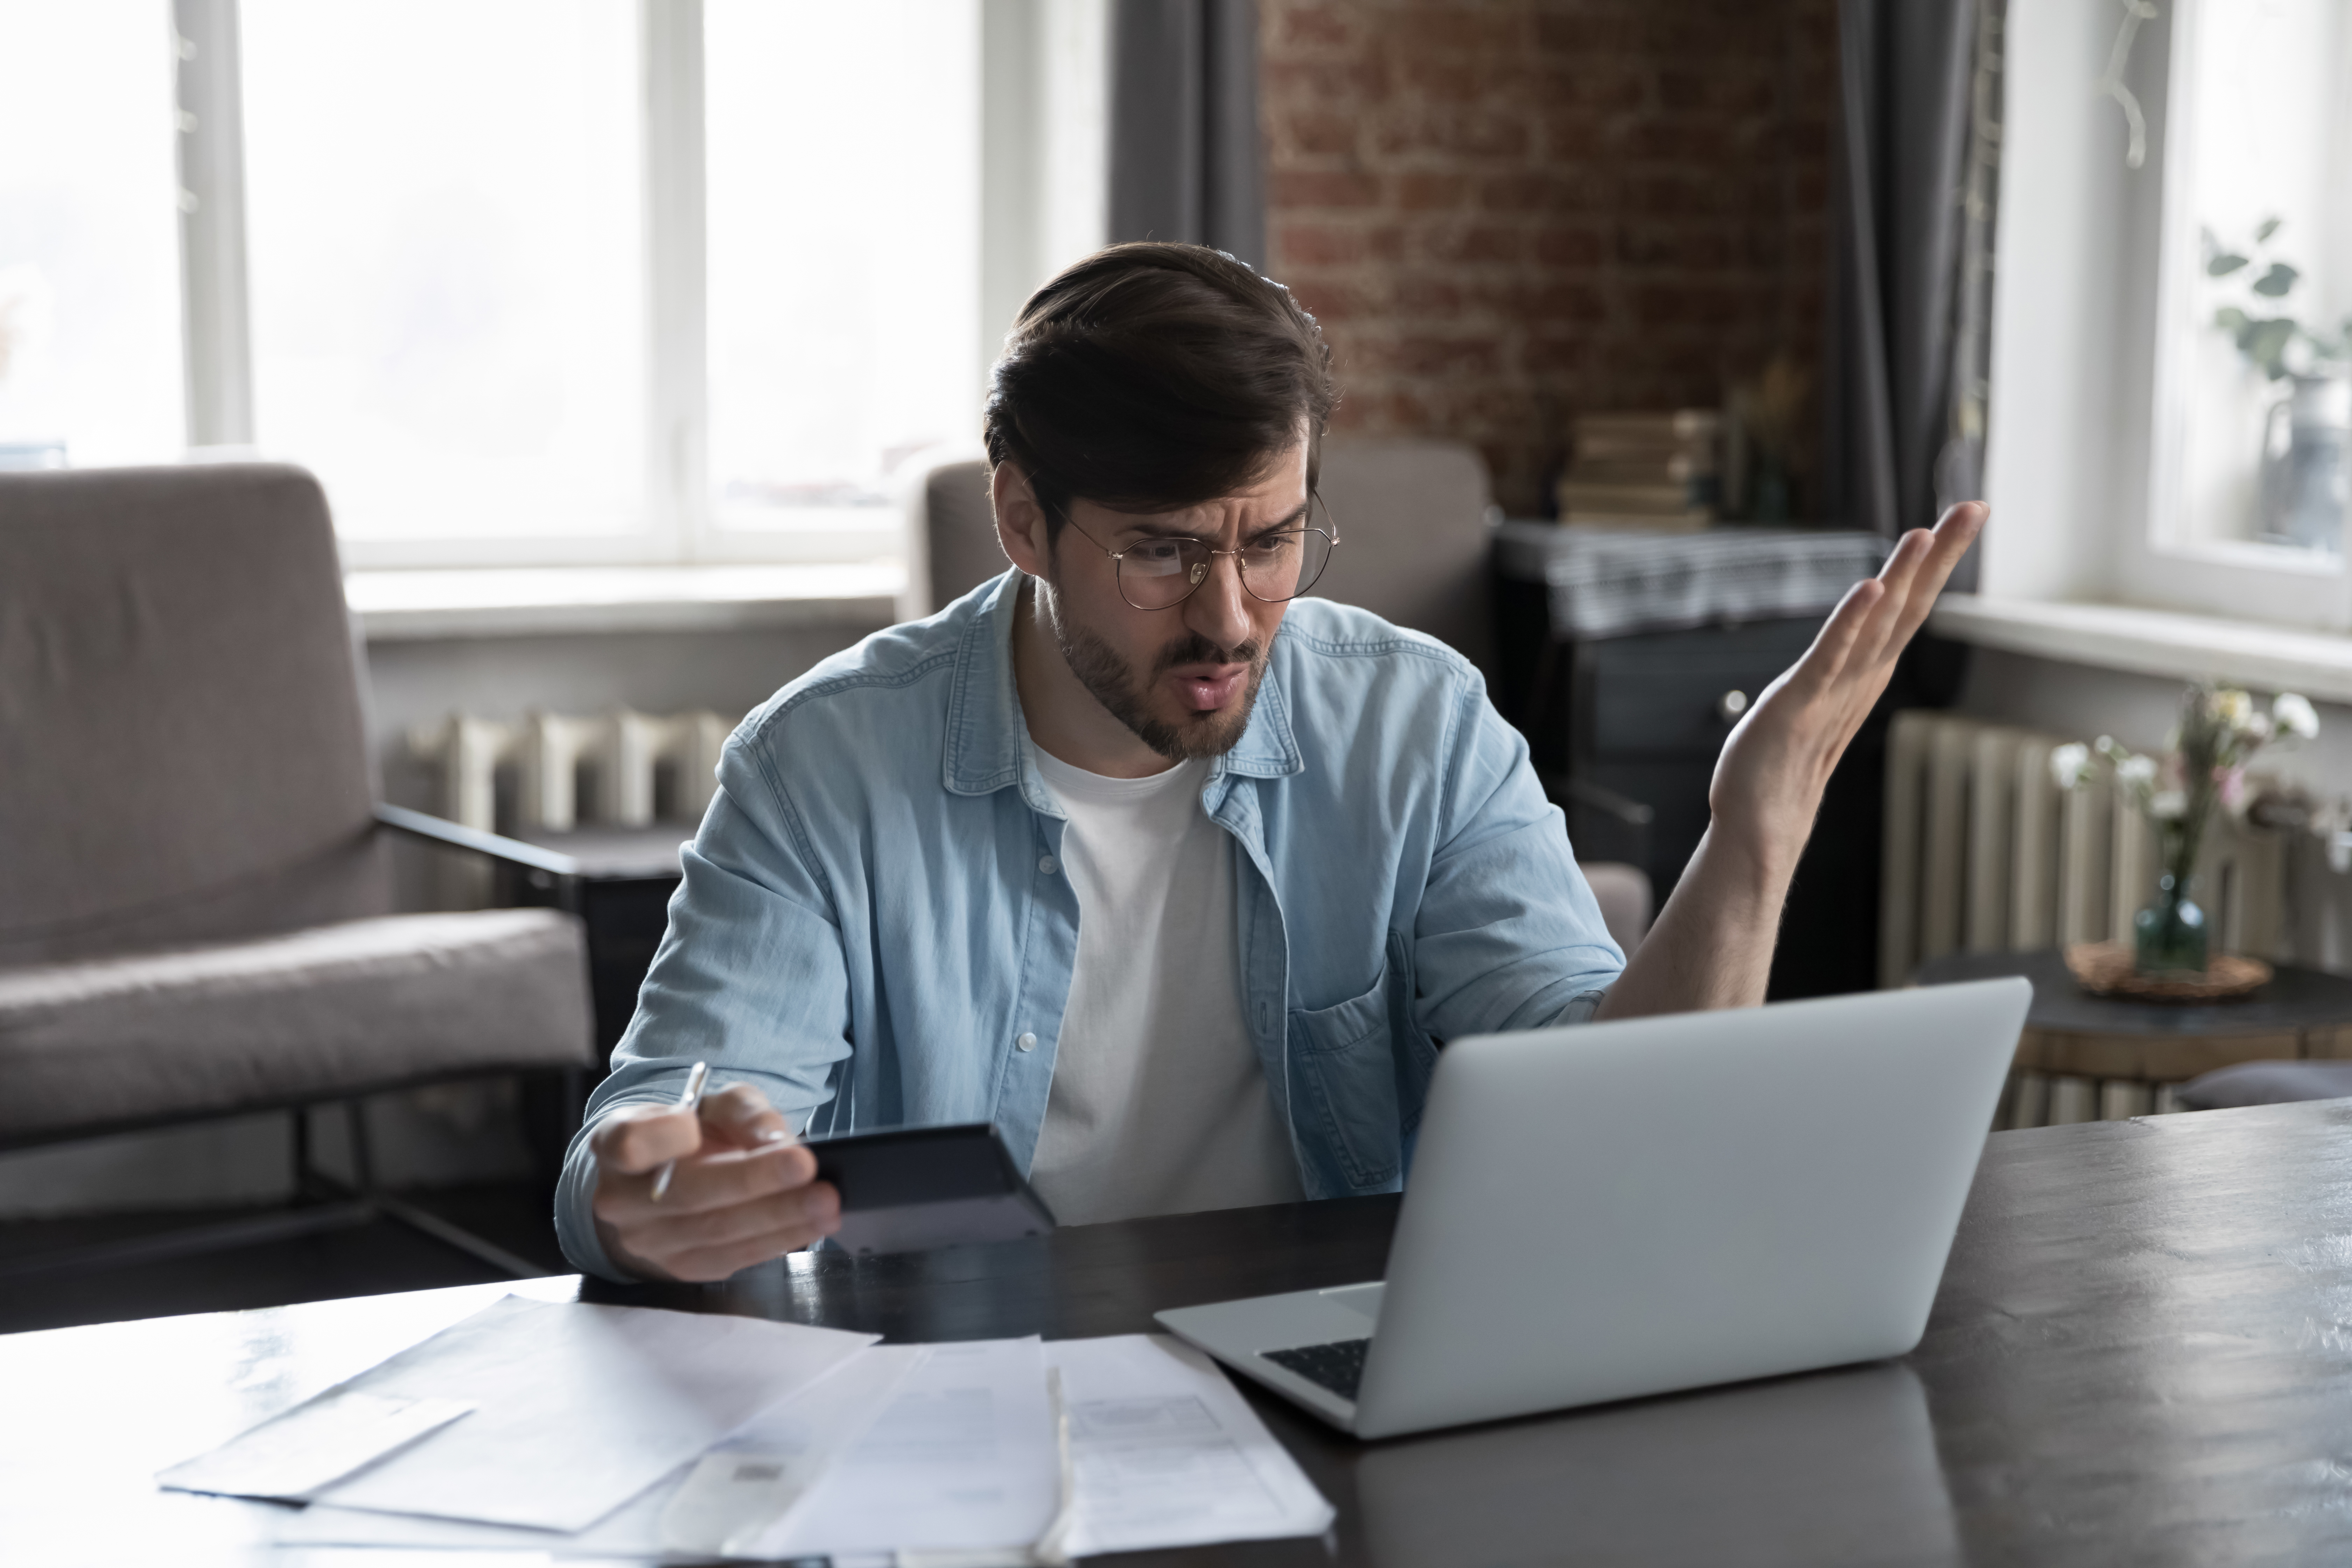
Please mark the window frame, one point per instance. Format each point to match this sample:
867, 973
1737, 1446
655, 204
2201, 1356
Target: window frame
2081, 466
1032, 208
2172, 535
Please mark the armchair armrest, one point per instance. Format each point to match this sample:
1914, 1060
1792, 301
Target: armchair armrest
455, 836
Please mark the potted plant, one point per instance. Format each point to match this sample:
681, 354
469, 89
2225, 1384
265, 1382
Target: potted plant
2304, 472
2220, 730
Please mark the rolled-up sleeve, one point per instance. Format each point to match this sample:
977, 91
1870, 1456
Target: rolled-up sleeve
749, 977
1509, 934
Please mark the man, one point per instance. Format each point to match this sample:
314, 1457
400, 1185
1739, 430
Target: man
1176, 877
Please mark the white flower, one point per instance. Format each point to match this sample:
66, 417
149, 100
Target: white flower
2293, 716
2070, 765
2136, 772
2168, 804
2230, 707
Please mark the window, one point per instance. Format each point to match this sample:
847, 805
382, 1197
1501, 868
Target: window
844, 250
2125, 461
625, 280
90, 302
2253, 406
543, 281
447, 282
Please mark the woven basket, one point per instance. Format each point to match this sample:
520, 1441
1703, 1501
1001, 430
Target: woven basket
2106, 969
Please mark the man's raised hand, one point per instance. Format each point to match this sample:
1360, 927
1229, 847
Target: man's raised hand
1712, 945
743, 1191
1775, 764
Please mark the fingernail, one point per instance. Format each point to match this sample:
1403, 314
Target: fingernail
776, 1135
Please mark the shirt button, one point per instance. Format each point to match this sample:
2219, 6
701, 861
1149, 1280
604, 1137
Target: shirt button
1048, 865
1027, 1042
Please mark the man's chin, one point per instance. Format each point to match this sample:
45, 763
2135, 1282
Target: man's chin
1183, 734
1186, 734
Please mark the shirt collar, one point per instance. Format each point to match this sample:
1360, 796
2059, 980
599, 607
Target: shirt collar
987, 741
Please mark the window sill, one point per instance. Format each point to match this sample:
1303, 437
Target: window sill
418, 605
2249, 555
2155, 642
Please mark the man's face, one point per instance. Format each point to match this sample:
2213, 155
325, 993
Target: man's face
1184, 679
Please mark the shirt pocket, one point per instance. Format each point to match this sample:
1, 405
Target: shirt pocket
1343, 1061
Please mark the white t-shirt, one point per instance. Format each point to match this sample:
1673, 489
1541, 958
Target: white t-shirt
1158, 1104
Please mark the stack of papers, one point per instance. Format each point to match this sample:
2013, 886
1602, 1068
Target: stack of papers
625, 1432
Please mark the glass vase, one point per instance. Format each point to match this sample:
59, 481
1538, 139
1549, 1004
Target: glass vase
2169, 935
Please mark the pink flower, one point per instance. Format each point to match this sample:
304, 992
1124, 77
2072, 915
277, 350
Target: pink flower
2233, 783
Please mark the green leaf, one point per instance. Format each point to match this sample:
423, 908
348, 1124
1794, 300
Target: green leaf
2281, 277
2230, 319
2264, 343
2270, 227
2223, 263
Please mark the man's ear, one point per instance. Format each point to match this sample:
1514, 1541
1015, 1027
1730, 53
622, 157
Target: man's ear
1020, 521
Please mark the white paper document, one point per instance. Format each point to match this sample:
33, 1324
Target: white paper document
318, 1441
963, 1457
741, 1489
695, 1511
578, 1409
633, 1530
938, 1454
1169, 1454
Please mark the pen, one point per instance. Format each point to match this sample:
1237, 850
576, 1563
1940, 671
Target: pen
691, 1099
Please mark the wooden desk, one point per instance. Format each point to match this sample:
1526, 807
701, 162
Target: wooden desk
2142, 1351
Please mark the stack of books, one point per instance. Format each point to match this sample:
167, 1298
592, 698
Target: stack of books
1643, 471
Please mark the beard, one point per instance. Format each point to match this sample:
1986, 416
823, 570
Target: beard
1112, 682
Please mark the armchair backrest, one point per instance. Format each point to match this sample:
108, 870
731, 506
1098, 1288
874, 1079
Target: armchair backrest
958, 532
1414, 546
181, 749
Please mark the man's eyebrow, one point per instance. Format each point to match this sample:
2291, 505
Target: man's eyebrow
1162, 531
1146, 530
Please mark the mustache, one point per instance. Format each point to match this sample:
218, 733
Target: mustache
1195, 648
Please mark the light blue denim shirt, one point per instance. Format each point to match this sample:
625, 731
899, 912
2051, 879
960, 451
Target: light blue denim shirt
875, 927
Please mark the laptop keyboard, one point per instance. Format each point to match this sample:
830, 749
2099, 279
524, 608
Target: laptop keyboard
1338, 1366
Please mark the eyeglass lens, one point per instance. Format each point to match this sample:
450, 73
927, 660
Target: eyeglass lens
1158, 572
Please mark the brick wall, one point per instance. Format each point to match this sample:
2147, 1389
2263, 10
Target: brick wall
1508, 211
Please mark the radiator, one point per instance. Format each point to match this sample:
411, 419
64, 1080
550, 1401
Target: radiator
1984, 853
553, 773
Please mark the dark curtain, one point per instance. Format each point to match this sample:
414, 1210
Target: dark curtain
1914, 181
1186, 161
1916, 192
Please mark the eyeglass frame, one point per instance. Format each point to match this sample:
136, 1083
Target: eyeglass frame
1314, 499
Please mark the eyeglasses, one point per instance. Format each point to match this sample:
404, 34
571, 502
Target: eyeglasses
1161, 573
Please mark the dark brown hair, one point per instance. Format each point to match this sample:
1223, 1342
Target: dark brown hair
1149, 377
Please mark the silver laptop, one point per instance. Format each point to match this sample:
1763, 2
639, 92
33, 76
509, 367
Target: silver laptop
1610, 1210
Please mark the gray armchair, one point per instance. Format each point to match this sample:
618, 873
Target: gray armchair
1414, 548
196, 908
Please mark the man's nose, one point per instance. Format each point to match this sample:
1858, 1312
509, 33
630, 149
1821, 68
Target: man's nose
1219, 609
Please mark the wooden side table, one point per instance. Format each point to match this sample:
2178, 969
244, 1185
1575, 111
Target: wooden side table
2094, 1059
622, 894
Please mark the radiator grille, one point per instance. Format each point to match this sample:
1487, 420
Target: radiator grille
552, 772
